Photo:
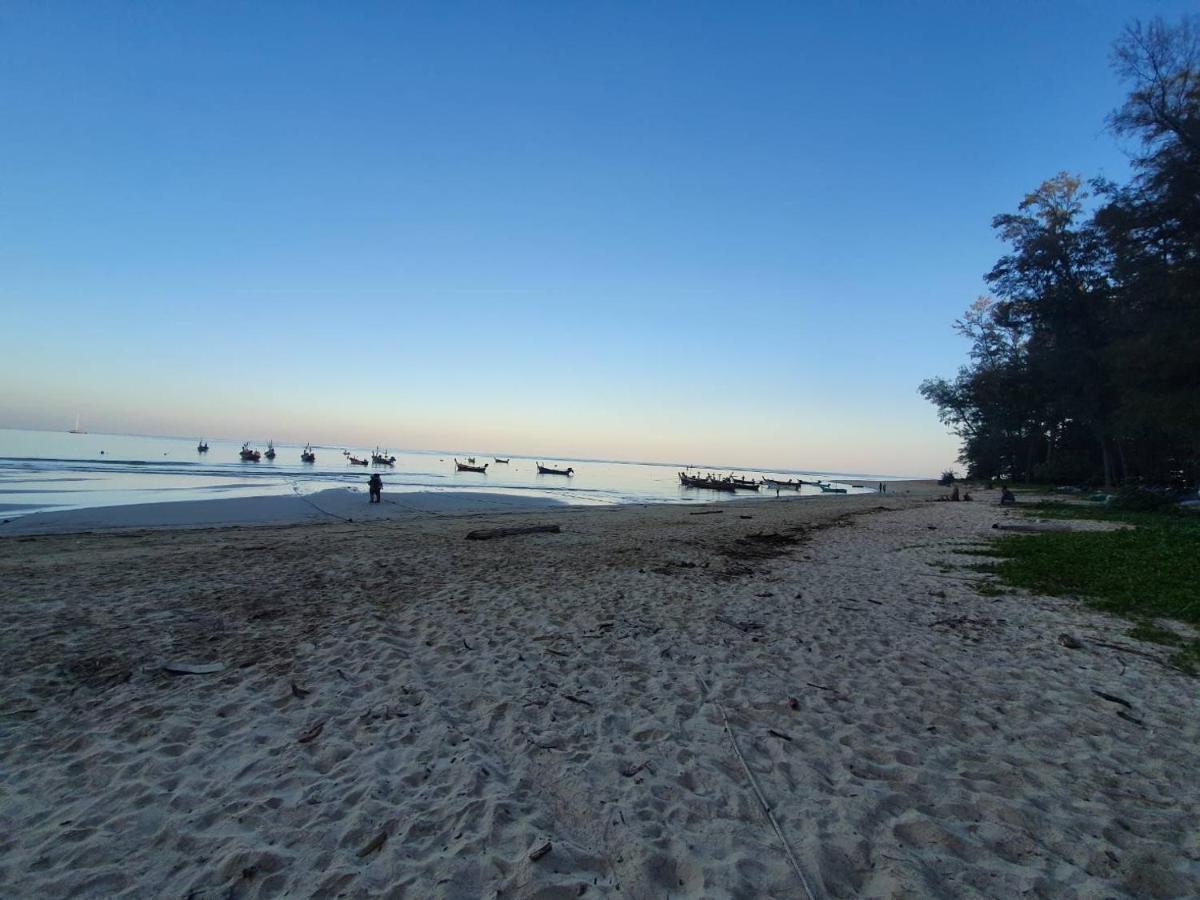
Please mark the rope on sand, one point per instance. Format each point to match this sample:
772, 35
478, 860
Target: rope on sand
296, 491
758, 792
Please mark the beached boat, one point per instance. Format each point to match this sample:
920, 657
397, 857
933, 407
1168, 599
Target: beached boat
709, 482
547, 470
745, 484
788, 485
307, 455
202, 447
249, 454
830, 489
467, 467
502, 461
382, 459
270, 454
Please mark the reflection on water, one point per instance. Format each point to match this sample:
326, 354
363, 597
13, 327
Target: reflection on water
42, 470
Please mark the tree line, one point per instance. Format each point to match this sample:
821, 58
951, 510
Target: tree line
1084, 362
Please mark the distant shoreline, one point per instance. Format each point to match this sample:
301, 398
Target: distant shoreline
349, 504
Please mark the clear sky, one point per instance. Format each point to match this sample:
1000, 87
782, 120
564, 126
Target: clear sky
735, 232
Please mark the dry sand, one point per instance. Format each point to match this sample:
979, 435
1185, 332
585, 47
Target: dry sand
406, 713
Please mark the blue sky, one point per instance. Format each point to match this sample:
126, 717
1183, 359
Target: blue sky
737, 232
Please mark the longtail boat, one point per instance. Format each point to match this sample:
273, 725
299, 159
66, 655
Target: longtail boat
467, 467
708, 482
249, 454
502, 461
354, 460
830, 489
788, 485
546, 470
745, 484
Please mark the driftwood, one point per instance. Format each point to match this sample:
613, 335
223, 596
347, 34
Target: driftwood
312, 734
541, 851
486, 534
184, 668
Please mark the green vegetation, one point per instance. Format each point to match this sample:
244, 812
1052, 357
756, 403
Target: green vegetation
1149, 571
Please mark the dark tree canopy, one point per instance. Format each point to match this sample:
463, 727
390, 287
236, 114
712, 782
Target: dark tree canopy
1085, 364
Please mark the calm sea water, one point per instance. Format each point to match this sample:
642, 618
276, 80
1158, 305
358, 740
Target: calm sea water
41, 470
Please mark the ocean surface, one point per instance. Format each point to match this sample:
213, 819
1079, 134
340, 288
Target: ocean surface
47, 471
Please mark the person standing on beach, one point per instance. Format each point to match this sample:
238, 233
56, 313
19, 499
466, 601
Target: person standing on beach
376, 486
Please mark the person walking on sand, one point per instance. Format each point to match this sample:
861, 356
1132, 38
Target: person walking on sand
376, 487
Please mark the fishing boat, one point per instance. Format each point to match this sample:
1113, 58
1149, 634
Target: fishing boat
76, 429
745, 484
249, 454
202, 447
382, 459
270, 454
467, 467
710, 482
788, 485
355, 461
831, 489
307, 455
547, 470
502, 461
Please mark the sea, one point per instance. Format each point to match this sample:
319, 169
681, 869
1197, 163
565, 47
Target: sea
43, 471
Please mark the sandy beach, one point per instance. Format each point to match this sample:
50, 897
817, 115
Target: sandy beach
786, 699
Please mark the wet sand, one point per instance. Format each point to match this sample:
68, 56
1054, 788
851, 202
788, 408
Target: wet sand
403, 712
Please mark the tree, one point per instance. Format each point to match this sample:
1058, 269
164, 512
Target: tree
1084, 365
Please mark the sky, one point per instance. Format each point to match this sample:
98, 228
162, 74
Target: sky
661, 232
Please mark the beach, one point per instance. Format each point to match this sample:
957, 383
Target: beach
810, 697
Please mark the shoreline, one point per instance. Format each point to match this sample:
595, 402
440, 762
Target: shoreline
350, 504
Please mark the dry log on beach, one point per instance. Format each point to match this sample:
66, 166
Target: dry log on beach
184, 668
486, 534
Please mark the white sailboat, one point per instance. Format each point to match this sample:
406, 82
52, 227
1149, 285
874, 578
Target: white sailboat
76, 429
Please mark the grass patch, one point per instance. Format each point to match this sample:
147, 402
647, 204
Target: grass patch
1187, 658
1150, 571
1155, 634
990, 589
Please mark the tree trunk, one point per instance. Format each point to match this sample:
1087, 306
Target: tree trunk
1106, 457
1121, 460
